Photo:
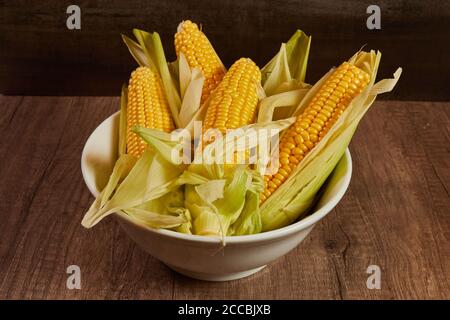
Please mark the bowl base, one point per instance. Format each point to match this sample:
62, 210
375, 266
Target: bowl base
215, 277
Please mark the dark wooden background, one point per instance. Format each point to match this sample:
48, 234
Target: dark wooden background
40, 56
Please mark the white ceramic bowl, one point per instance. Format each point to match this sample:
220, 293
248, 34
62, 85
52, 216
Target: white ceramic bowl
204, 257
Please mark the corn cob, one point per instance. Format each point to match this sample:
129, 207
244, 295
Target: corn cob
147, 106
233, 104
346, 82
199, 53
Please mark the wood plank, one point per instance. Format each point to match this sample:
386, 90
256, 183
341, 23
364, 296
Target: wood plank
394, 215
43, 199
49, 59
395, 223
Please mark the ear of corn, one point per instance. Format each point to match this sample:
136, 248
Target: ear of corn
234, 103
332, 99
299, 192
149, 52
199, 52
147, 106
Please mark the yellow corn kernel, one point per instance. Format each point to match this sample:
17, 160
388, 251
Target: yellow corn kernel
147, 106
234, 103
199, 53
312, 125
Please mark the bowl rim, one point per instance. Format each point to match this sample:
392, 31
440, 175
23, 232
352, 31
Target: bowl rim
263, 236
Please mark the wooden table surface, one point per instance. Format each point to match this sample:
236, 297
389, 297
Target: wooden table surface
395, 215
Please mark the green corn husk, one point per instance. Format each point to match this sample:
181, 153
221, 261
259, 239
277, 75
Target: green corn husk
216, 193
150, 178
210, 204
164, 212
122, 167
137, 52
191, 85
149, 52
287, 69
221, 207
122, 148
249, 221
283, 79
184, 74
125, 162
185, 227
155, 220
281, 105
297, 50
296, 194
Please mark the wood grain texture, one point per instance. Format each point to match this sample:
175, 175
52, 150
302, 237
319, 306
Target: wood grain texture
395, 215
40, 56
